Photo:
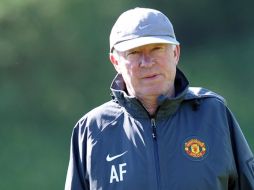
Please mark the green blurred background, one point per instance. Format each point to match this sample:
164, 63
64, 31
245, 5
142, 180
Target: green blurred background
54, 67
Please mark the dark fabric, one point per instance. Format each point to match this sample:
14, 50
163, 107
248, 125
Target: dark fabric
193, 142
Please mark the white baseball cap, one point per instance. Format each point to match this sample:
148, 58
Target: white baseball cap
141, 26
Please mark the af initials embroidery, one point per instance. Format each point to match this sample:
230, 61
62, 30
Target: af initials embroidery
117, 173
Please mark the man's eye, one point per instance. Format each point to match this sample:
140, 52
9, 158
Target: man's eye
132, 53
158, 48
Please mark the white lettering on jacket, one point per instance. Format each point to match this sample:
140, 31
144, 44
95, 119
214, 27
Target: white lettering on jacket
117, 173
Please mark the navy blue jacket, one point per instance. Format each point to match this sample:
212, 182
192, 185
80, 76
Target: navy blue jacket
193, 142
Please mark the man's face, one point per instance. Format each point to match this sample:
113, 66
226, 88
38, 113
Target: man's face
148, 70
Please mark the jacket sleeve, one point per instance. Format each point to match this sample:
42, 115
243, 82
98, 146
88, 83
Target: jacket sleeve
243, 156
76, 174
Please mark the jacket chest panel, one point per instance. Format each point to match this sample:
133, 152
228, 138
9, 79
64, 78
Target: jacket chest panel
122, 155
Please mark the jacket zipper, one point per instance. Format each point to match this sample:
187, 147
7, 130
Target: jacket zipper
156, 153
154, 134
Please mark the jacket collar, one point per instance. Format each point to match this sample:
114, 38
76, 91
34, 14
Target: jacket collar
167, 106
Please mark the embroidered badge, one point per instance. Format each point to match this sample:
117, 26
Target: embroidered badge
195, 148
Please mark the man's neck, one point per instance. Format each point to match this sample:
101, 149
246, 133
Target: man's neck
151, 102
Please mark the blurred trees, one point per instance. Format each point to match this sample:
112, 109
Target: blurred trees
54, 67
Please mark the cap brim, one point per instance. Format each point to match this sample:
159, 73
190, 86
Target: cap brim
137, 42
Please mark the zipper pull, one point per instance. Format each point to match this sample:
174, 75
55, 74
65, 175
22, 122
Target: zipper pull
153, 128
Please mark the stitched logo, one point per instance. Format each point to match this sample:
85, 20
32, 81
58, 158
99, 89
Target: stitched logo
111, 158
143, 27
195, 149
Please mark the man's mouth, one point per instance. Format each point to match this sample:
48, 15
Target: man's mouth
152, 76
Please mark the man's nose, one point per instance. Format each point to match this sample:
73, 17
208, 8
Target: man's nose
146, 60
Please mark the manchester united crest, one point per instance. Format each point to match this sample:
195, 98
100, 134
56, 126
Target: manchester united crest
195, 148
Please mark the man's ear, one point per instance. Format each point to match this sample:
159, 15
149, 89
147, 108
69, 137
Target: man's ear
114, 61
177, 53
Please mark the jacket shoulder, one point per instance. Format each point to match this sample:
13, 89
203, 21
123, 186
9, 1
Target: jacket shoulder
101, 116
201, 93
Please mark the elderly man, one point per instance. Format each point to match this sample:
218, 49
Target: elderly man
157, 133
